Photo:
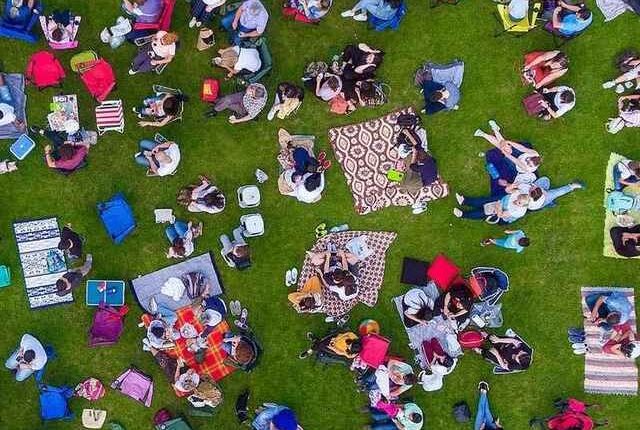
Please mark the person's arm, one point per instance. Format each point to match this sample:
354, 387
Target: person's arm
568, 6
616, 350
501, 361
343, 260
596, 308
153, 167
161, 147
160, 123
551, 77
236, 18
414, 318
327, 260
520, 147
504, 340
366, 48
541, 58
48, 158
553, 113
555, 19
510, 231
254, 33
234, 120
319, 82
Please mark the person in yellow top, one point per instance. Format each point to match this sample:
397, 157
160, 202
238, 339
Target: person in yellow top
343, 345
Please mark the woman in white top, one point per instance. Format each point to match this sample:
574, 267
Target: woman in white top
235, 59
160, 50
203, 197
628, 114
557, 101
328, 86
161, 159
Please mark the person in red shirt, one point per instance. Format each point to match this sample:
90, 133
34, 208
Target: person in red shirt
62, 154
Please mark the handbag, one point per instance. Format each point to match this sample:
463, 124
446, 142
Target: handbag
532, 105
93, 418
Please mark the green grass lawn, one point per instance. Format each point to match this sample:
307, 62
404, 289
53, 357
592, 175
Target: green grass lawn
566, 251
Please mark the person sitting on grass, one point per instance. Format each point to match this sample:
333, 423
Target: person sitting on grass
626, 172
7, 106
382, 9
183, 379
62, 154
454, 304
309, 298
484, 418
629, 66
514, 239
160, 159
505, 210
271, 416
542, 68
417, 308
407, 416
159, 110
608, 310
628, 114
202, 197
344, 344
328, 86
145, 11
569, 20
287, 100
238, 348
556, 101
246, 22
505, 352
361, 61
391, 379
30, 357
236, 59
626, 240
60, 27
203, 11
237, 251
72, 279
314, 10
70, 242
181, 236
160, 335
160, 50
245, 105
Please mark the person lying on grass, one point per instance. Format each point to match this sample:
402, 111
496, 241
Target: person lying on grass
505, 210
507, 353
514, 239
245, 105
236, 59
202, 197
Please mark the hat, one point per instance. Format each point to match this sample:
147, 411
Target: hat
211, 317
93, 418
285, 420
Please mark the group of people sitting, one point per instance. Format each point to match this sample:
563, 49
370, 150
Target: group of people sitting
515, 185
628, 64
350, 81
540, 69
565, 18
626, 238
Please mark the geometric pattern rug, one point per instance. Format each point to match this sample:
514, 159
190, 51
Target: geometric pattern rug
366, 152
607, 373
36, 240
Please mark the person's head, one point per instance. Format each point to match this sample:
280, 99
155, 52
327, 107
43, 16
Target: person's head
325, 4
14, 12
415, 417
447, 361
254, 8
534, 161
256, 91
567, 96
64, 245
560, 60
394, 3
244, 352
158, 331
28, 356
333, 83
634, 166
524, 359
178, 246
535, 193
169, 39
214, 200
349, 285
171, 105
524, 242
312, 165
313, 182
522, 200
409, 379
613, 318
437, 96
354, 345
374, 58
338, 275
66, 152
421, 154
241, 251
307, 303
630, 105
61, 285
631, 349
189, 383
57, 34
583, 14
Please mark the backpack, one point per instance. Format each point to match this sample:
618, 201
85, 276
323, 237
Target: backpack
210, 90
44, 70
161, 417
461, 412
619, 202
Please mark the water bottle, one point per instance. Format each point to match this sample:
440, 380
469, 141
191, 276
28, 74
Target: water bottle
338, 228
493, 172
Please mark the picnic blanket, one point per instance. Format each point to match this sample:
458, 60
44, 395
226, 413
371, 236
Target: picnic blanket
371, 269
437, 328
612, 9
366, 153
15, 82
37, 245
213, 363
609, 218
606, 373
147, 286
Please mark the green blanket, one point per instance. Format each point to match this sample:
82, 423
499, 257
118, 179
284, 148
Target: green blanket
610, 219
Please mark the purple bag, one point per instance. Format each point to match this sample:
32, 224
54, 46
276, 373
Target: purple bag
532, 105
135, 384
107, 325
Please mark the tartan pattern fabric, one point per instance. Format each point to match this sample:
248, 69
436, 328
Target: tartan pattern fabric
213, 363
371, 269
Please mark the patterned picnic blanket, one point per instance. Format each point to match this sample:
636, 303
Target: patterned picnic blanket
606, 373
371, 269
609, 218
213, 363
366, 153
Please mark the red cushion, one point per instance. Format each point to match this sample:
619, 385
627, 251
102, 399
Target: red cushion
374, 350
443, 272
470, 339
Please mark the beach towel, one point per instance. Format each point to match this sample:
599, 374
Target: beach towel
607, 373
370, 270
15, 82
612, 9
366, 152
41, 260
147, 286
609, 217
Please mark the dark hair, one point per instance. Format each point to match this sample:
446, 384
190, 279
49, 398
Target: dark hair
524, 360
178, 246
333, 82
613, 318
567, 96
244, 352
171, 105
307, 302
415, 417
436, 96
355, 346
57, 34
394, 3
350, 288
66, 151
28, 355
630, 105
61, 285
583, 13
325, 4
536, 160
312, 165
447, 361
157, 331
338, 275
64, 244
524, 241
241, 251
214, 199
1, 114
313, 181
535, 193
635, 167
409, 379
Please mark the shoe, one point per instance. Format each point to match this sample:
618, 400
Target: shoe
482, 385
305, 354
342, 320
198, 24
457, 213
478, 133
360, 17
310, 336
235, 307
485, 242
459, 198
620, 89
321, 230
192, 23
628, 85
329, 319
347, 13
244, 314
608, 84
578, 185
287, 278
294, 276
494, 125
210, 114
575, 339
419, 209
321, 156
132, 72
575, 331
272, 114
579, 345
580, 351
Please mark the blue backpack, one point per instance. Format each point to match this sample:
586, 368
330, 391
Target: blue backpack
620, 203
54, 403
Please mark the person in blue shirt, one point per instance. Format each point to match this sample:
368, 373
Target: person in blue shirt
608, 310
275, 417
569, 20
514, 239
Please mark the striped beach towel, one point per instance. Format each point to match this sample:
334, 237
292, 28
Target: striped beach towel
606, 373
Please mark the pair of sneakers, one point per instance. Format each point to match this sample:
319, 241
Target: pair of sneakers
291, 277
577, 337
242, 314
360, 16
620, 88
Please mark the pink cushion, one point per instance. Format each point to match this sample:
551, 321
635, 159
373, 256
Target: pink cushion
374, 350
443, 272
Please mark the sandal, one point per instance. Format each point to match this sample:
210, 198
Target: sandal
325, 164
321, 230
321, 157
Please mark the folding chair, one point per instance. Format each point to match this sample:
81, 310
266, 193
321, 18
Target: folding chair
517, 28
110, 117
161, 89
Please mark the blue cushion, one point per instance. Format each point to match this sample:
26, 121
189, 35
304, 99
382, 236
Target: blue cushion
117, 217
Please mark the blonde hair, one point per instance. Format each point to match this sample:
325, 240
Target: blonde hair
169, 38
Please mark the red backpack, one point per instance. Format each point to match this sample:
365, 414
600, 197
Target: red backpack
44, 70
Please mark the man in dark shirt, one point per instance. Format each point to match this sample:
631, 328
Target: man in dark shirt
72, 279
70, 243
